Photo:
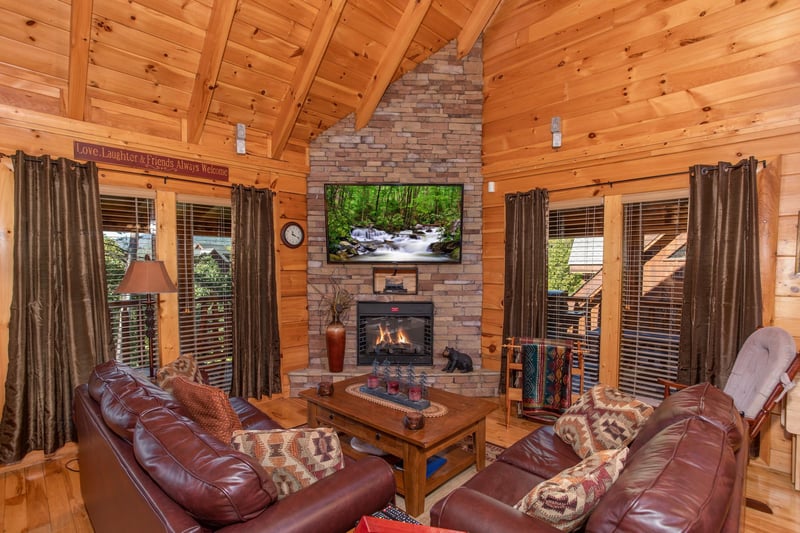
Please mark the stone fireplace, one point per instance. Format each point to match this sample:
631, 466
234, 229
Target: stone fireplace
397, 332
427, 129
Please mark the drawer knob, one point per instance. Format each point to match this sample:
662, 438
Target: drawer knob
330, 417
377, 436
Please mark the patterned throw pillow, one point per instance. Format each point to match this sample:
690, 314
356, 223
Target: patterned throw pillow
208, 406
184, 366
294, 458
567, 499
602, 419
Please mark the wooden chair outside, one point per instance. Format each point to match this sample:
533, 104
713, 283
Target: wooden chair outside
513, 347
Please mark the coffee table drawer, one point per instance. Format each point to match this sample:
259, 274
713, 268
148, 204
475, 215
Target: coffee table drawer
384, 441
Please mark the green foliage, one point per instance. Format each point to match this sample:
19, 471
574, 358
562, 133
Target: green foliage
392, 209
116, 264
209, 278
558, 275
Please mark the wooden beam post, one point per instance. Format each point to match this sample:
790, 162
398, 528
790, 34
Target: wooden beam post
396, 50
205, 81
475, 25
79, 37
318, 41
611, 317
166, 245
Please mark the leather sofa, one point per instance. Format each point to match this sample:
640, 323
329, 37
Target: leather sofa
685, 471
191, 481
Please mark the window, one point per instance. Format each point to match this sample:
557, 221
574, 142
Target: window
652, 294
128, 234
204, 288
575, 281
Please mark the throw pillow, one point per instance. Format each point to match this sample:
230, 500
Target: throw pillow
184, 366
602, 419
208, 406
566, 500
294, 458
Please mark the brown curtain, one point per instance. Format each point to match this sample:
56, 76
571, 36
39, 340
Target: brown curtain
59, 326
722, 288
256, 341
525, 292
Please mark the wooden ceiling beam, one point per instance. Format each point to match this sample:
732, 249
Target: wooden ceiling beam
205, 81
475, 25
318, 41
396, 50
79, 38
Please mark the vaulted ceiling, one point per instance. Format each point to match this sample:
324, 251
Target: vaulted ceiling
190, 70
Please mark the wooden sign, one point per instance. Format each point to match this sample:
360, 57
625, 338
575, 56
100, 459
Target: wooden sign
157, 163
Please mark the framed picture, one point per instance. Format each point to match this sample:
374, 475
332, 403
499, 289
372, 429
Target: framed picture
394, 280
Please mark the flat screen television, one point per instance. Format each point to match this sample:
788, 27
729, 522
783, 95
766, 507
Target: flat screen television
393, 223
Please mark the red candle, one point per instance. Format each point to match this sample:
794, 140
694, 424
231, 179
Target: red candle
415, 393
393, 387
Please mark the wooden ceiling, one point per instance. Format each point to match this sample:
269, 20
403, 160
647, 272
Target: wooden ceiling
190, 70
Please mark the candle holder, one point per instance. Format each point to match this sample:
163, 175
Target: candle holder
414, 420
325, 388
414, 393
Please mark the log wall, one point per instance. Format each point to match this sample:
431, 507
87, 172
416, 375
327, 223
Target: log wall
644, 90
37, 134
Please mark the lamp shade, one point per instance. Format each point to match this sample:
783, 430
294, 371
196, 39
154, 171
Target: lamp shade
143, 277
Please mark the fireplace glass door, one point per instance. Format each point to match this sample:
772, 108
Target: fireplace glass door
401, 333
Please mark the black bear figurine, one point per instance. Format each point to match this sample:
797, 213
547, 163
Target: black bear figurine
457, 360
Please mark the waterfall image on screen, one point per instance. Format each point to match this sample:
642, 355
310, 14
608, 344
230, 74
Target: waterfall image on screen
371, 223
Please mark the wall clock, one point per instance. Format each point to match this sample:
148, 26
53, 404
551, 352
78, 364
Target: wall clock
292, 234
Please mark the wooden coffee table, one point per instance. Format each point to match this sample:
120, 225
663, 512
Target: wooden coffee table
382, 426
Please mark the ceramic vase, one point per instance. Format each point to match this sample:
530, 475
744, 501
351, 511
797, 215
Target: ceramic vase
335, 338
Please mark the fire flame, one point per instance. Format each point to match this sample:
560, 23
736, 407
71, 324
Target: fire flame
385, 337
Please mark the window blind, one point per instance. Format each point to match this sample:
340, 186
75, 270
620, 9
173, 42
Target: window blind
128, 234
652, 293
575, 266
204, 288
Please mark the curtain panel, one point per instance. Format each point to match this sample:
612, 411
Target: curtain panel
525, 290
722, 287
59, 327
256, 340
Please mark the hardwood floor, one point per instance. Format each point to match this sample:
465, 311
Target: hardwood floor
43, 495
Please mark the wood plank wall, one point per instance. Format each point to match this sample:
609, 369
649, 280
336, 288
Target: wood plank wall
644, 90
38, 133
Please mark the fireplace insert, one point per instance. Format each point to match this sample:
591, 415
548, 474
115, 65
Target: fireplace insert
398, 332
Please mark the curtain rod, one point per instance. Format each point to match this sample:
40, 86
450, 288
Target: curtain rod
165, 178
630, 180
612, 183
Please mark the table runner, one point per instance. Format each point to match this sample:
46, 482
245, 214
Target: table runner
435, 409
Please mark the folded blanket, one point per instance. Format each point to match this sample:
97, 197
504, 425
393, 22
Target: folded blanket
546, 380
